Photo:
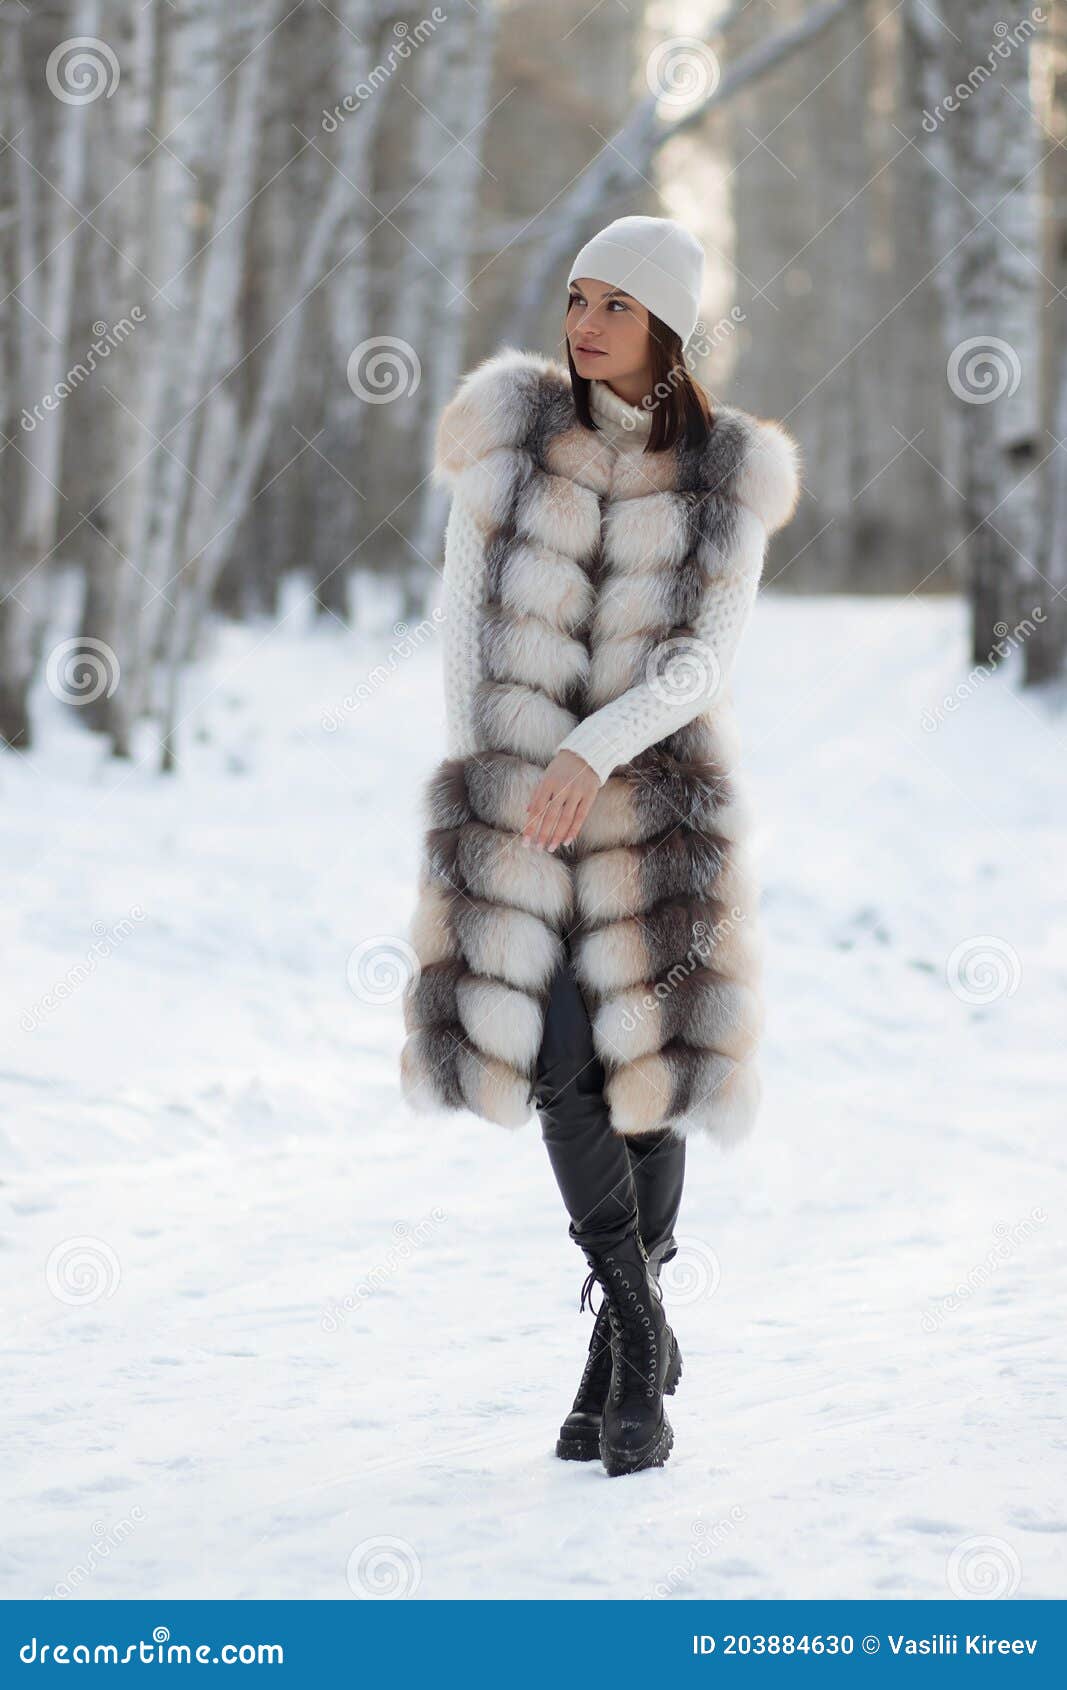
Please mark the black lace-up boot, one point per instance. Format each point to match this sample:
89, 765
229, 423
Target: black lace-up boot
579, 1436
645, 1362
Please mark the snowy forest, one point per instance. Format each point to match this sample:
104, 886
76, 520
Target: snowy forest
269, 1334
248, 250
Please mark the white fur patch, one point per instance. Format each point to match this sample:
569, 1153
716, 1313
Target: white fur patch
490, 408
503, 1022
612, 820
613, 959
769, 478
632, 604
522, 720
608, 885
488, 485
637, 474
617, 665
543, 581
501, 790
628, 1026
558, 513
430, 931
509, 944
639, 1095
584, 457
647, 533
725, 1103
727, 1018
492, 1089
528, 649
499, 868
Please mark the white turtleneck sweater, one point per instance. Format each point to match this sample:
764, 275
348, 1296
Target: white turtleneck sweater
640, 716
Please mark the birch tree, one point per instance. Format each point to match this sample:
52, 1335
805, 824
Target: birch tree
48, 237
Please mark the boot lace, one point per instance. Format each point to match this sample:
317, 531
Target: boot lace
633, 1328
587, 1290
598, 1353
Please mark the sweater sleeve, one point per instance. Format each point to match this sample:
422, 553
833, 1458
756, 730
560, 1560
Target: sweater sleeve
464, 578
683, 677
664, 702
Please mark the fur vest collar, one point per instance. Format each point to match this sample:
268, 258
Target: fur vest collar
598, 561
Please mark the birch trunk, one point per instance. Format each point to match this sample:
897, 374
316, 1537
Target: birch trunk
45, 354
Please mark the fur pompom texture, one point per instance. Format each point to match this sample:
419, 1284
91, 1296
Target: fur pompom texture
769, 479
594, 560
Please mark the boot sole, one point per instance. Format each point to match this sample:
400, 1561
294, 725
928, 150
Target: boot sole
617, 1461
579, 1446
585, 1446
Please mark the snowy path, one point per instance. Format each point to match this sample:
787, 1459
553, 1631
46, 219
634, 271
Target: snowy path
204, 1414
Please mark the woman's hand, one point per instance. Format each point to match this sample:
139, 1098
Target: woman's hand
560, 801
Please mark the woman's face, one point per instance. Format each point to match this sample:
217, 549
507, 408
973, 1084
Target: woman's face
607, 331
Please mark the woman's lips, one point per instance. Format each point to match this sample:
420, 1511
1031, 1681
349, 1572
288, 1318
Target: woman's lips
590, 351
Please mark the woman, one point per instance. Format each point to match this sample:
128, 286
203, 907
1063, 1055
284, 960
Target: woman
587, 926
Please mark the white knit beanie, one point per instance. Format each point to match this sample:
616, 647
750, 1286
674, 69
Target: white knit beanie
655, 259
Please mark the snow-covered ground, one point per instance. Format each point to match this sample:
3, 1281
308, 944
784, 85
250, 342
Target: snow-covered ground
266, 1333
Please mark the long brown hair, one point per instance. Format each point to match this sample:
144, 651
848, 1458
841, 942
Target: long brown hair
681, 409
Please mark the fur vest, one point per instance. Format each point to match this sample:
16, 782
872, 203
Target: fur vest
596, 561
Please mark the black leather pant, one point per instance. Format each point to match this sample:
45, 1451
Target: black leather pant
607, 1181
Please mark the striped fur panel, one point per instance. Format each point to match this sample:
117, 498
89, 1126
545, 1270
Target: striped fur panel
595, 561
